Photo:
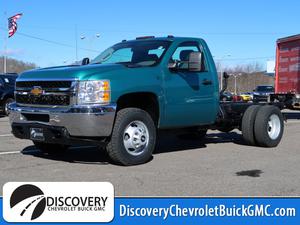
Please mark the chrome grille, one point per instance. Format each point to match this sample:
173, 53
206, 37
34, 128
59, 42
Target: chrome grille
44, 84
53, 93
63, 100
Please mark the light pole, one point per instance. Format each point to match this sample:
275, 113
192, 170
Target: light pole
90, 39
221, 69
235, 83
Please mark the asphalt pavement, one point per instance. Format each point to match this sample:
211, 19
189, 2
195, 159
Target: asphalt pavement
219, 165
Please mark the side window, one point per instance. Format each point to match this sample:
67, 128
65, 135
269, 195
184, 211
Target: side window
181, 54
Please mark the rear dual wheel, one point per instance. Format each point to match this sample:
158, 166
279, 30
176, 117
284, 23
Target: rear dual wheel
262, 126
268, 126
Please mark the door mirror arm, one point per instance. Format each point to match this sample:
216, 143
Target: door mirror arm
174, 66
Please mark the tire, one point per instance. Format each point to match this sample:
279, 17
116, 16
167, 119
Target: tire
269, 126
6, 104
50, 148
248, 121
133, 137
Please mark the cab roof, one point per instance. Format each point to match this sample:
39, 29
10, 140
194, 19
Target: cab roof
167, 38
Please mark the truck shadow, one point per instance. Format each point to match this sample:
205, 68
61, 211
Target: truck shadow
82, 155
172, 143
292, 115
167, 142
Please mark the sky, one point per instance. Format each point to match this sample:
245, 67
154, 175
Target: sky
237, 31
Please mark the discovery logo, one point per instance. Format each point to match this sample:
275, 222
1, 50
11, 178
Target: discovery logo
58, 202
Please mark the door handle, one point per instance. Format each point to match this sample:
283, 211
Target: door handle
206, 82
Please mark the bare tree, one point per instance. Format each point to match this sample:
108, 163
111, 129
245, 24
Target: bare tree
16, 66
247, 76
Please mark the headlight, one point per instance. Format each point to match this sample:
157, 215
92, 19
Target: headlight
93, 91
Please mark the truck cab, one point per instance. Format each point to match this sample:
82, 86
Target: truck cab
121, 98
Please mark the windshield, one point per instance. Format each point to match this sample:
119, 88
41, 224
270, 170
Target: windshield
265, 89
134, 53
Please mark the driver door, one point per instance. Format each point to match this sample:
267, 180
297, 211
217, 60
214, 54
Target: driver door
189, 95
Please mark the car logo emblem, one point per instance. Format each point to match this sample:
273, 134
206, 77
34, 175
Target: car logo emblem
36, 91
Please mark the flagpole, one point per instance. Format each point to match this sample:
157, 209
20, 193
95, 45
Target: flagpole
5, 46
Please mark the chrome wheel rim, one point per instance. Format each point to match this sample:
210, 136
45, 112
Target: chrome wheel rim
274, 126
136, 138
7, 107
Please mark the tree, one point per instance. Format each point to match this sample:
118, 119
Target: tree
16, 66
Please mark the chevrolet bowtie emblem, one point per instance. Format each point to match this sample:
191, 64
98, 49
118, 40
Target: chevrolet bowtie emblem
36, 91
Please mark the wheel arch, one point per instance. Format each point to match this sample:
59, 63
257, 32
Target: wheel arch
147, 101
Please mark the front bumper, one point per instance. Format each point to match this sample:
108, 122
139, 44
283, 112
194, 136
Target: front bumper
77, 121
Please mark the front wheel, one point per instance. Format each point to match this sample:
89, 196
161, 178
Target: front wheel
133, 138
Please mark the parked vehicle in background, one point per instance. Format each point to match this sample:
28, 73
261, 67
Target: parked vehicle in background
247, 96
237, 98
7, 88
287, 72
226, 96
130, 91
262, 92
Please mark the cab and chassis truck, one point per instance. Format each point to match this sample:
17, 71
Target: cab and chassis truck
125, 95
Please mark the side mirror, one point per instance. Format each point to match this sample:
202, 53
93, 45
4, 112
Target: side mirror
195, 61
85, 61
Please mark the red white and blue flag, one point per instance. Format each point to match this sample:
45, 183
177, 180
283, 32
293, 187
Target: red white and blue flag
12, 24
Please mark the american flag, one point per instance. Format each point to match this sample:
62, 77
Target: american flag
12, 24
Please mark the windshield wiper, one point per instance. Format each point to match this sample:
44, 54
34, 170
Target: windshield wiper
133, 65
129, 64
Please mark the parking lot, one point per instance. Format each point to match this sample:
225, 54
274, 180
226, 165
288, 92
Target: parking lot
219, 165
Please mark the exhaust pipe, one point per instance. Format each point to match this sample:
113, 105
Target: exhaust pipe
225, 84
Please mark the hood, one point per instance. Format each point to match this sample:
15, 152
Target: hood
71, 72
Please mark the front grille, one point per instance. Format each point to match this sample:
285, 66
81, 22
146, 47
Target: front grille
53, 93
44, 84
62, 100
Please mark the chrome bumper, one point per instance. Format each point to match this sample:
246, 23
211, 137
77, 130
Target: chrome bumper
83, 121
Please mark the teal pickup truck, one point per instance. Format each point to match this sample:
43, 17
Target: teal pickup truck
121, 98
